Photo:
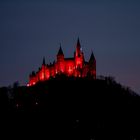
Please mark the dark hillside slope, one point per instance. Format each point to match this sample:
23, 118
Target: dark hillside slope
69, 108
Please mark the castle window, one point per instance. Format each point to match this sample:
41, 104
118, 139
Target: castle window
56, 72
42, 75
70, 69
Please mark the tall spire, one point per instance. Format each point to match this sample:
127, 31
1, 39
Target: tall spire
43, 61
60, 52
78, 42
92, 58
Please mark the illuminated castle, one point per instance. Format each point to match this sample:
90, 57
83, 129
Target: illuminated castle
75, 66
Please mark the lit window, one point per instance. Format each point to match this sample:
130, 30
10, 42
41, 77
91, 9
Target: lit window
42, 76
70, 69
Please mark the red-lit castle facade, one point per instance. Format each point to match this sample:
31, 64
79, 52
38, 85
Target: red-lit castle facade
75, 66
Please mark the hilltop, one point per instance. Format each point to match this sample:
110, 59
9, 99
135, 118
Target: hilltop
74, 108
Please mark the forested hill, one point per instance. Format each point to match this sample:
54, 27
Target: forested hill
74, 108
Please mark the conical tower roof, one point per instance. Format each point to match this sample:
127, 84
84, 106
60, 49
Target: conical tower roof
78, 43
60, 52
92, 58
43, 63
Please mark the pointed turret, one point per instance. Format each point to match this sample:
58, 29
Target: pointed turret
78, 48
78, 42
92, 58
60, 61
92, 66
60, 52
79, 55
44, 61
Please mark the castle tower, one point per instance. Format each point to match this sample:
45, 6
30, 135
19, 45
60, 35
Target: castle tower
43, 61
32, 79
73, 66
42, 75
60, 67
92, 66
79, 56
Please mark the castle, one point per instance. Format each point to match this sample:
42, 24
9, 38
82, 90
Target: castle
75, 66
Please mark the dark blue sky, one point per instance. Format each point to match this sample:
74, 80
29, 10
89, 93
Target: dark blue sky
30, 30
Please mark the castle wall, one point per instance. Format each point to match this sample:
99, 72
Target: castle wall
70, 66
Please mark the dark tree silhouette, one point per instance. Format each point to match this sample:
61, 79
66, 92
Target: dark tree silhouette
75, 108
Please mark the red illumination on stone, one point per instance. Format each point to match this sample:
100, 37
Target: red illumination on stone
75, 66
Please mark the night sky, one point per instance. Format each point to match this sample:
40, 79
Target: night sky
30, 30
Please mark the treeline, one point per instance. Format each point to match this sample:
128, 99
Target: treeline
75, 108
